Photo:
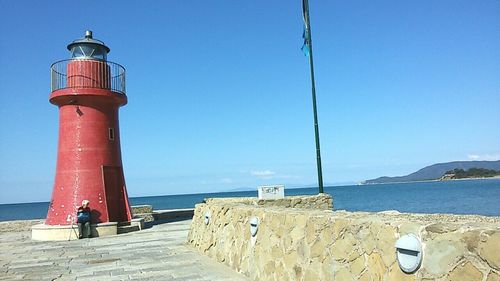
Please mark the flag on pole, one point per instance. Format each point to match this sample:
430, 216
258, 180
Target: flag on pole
306, 49
305, 46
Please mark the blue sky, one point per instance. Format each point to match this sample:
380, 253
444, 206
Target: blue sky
219, 91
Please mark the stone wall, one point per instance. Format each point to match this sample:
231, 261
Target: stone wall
19, 225
305, 244
316, 202
143, 211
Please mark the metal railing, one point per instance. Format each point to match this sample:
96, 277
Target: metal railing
87, 73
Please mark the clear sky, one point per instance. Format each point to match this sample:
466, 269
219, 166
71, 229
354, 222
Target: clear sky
219, 91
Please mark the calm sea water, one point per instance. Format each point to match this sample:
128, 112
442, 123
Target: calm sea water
480, 197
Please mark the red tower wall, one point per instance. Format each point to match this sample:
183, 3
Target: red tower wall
89, 164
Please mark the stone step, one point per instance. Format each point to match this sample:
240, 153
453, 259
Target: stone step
123, 223
128, 228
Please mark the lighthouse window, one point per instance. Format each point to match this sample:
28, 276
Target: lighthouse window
99, 53
88, 51
111, 134
76, 52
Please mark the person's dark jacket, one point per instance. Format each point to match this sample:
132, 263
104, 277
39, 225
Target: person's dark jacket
83, 215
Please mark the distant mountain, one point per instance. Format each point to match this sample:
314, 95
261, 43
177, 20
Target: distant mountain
436, 171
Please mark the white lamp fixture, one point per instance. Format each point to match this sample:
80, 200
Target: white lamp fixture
207, 218
254, 226
409, 253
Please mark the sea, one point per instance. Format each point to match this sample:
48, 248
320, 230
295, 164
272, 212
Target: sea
478, 197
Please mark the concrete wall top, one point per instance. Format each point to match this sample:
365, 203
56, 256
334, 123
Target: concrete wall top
317, 202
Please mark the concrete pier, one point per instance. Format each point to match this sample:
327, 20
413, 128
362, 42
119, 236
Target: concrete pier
157, 253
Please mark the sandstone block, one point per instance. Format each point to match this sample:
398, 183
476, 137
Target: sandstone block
465, 271
375, 267
440, 255
311, 275
298, 272
318, 248
386, 239
490, 250
440, 228
344, 273
142, 209
357, 266
493, 276
396, 274
343, 247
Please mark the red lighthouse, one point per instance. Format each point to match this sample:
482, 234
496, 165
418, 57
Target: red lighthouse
88, 89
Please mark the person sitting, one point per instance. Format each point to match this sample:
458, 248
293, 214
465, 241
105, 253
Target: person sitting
83, 219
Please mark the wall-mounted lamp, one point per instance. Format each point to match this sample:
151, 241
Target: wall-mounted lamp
254, 226
207, 218
409, 253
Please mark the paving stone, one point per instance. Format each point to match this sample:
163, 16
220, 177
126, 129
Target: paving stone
153, 276
30, 263
157, 253
105, 272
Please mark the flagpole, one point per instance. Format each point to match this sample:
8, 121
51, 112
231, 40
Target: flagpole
305, 4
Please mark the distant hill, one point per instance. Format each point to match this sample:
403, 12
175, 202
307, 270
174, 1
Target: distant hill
436, 171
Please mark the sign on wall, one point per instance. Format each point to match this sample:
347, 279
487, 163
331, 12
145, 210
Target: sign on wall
271, 192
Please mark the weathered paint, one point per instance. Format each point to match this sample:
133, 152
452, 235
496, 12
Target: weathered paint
89, 163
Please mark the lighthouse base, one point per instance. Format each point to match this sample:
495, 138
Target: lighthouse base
43, 232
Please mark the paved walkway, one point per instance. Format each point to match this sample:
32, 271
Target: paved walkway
157, 253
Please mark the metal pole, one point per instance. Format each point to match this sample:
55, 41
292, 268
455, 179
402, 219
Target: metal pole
316, 128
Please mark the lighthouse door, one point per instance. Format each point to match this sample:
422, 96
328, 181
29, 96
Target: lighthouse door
115, 193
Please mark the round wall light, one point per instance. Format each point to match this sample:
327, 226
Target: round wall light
409, 253
254, 226
207, 218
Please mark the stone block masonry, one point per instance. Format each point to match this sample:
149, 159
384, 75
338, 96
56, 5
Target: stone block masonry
307, 244
143, 211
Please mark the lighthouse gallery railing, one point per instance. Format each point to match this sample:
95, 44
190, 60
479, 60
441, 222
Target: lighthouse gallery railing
87, 73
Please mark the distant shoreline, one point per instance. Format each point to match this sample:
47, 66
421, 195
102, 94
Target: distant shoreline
434, 180
483, 178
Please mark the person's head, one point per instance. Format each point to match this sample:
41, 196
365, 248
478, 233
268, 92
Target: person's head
85, 203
